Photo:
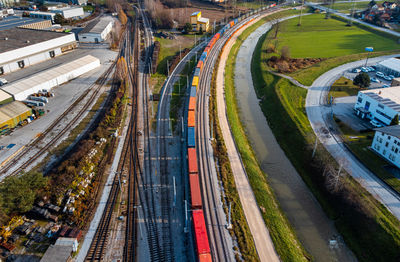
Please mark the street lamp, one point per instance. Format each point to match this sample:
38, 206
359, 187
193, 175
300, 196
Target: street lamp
369, 49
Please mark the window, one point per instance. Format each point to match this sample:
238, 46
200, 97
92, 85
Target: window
52, 54
21, 64
367, 104
392, 157
393, 148
1, 70
397, 150
387, 143
389, 137
381, 106
384, 152
359, 100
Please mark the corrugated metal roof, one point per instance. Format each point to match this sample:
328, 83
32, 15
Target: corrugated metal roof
98, 26
48, 75
4, 96
388, 96
12, 110
392, 63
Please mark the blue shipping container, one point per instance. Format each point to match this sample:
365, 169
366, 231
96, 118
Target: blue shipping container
191, 139
203, 57
236, 21
193, 91
197, 71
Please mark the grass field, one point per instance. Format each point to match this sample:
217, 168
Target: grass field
368, 228
285, 241
346, 7
343, 87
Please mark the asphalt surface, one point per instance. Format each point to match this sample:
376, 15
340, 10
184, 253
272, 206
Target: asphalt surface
320, 116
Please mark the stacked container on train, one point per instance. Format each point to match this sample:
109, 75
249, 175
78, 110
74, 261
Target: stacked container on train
200, 229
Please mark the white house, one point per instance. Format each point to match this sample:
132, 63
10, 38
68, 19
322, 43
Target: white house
386, 143
96, 31
380, 104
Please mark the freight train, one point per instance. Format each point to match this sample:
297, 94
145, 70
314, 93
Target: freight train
203, 250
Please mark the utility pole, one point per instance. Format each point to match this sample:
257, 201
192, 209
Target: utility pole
350, 23
167, 68
180, 57
229, 225
301, 12
186, 218
315, 147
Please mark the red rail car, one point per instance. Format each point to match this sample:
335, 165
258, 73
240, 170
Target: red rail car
200, 232
192, 160
200, 65
191, 119
205, 258
192, 104
195, 192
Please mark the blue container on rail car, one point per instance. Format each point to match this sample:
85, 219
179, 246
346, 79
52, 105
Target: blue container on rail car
204, 53
193, 91
236, 21
191, 138
203, 57
197, 71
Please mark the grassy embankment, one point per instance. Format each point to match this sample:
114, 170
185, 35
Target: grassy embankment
282, 234
368, 228
329, 39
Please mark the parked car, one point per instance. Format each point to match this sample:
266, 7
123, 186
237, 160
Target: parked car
364, 69
392, 77
3, 81
375, 123
370, 69
379, 74
385, 86
356, 70
373, 79
388, 78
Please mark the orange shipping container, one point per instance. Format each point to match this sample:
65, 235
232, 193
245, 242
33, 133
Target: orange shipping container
195, 192
200, 65
232, 23
192, 159
191, 119
205, 257
192, 103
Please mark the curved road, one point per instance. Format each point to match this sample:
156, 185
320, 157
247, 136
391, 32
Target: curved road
319, 115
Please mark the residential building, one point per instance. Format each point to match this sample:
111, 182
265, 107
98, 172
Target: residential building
97, 30
198, 22
389, 66
20, 47
386, 143
381, 104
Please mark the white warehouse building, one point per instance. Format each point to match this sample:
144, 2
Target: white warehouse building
43, 15
386, 143
96, 31
50, 78
381, 104
20, 47
69, 12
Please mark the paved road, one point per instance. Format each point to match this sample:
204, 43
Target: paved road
346, 16
259, 231
320, 119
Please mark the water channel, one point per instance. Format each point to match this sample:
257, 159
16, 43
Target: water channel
313, 227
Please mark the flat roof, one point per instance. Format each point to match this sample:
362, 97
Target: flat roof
57, 254
42, 13
392, 63
390, 130
389, 96
12, 110
97, 26
4, 95
47, 75
15, 21
203, 20
18, 37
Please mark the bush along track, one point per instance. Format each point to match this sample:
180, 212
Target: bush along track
285, 240
367, 227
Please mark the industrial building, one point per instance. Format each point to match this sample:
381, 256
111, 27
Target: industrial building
56, 253
20, 47
96, 31
199, 22
69, 12
13, 114
389, 66
5, 97
43, 15
381, 104
50, 78
6, 3
386, 143
74, 2
24, 22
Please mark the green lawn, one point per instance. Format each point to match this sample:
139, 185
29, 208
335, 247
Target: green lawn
343, 87
346, 7
318, 37
366, 225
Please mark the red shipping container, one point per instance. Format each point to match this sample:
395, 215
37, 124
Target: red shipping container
195, 192
192, 159
205, 257
191, 119
200, 232
200, 65
192, 103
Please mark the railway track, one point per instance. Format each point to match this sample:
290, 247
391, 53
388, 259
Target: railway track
95, 90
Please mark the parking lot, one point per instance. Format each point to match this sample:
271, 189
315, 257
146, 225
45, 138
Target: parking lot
376, 81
